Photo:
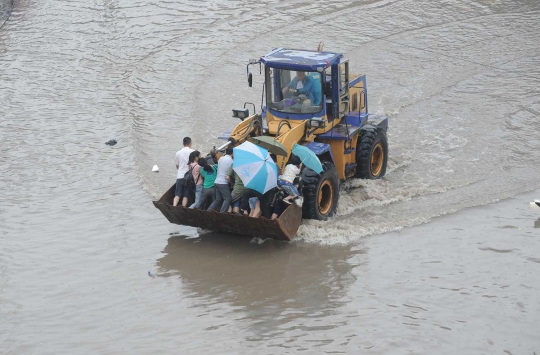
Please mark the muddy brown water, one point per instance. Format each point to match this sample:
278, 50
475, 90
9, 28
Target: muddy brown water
459, 81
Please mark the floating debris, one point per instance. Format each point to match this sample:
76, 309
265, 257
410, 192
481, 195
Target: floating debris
111, 142
155, 169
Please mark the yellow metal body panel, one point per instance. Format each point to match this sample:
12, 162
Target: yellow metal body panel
289, 137
357, 94
273, 123
340, 158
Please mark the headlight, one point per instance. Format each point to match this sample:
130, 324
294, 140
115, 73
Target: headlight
241, 113
317, 122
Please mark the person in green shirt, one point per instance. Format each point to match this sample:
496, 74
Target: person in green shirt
238, 189
209, 174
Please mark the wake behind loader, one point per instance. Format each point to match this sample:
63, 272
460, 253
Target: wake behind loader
310, 99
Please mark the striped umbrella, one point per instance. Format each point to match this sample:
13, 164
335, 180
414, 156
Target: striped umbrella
255, 167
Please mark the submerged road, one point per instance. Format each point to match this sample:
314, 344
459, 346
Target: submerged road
459, 81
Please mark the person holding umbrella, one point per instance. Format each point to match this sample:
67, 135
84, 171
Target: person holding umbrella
238, 189
255, 202
257, 170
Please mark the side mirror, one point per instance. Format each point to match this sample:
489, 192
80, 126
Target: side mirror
250, 80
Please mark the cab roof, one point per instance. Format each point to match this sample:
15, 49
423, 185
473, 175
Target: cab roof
299, 59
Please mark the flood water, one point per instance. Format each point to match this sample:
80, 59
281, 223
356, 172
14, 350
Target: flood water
460, 83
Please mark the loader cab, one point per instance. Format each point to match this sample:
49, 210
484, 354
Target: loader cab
294, 91
337, 101
314, 97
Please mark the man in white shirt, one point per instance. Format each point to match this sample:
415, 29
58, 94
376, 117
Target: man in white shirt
181, 161
223, 191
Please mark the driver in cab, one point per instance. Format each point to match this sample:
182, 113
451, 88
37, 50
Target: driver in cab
303, 84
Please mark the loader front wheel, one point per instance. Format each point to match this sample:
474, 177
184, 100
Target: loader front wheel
322, 195
371, 153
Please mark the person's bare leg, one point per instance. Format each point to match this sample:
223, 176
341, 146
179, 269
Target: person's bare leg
257, 210
236, 209
184, 201
176, 200
274, 216
251, 211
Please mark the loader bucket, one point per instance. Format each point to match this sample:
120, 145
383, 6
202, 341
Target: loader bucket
283, 228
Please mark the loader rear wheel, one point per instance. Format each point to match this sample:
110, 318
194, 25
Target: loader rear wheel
322, 195
371, 153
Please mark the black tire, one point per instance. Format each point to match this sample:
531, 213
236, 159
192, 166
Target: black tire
371, 153
321, 194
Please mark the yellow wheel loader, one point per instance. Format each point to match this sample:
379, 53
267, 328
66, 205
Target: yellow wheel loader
309, 99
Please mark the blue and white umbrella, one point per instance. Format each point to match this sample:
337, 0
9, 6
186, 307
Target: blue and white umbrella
255, 167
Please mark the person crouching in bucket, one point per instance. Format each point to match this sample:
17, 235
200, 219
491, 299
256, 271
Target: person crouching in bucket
286, 180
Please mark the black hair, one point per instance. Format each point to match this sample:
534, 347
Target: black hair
273, 156
203, 163
229, 150
187, 141
193, 155
294, 160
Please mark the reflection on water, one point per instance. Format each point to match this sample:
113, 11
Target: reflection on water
266, 282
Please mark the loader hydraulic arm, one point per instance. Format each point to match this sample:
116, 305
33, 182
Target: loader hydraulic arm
250, 127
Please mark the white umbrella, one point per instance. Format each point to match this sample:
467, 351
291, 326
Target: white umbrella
255, 167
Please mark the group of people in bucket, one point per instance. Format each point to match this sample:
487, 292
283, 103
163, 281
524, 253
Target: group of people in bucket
218, 184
